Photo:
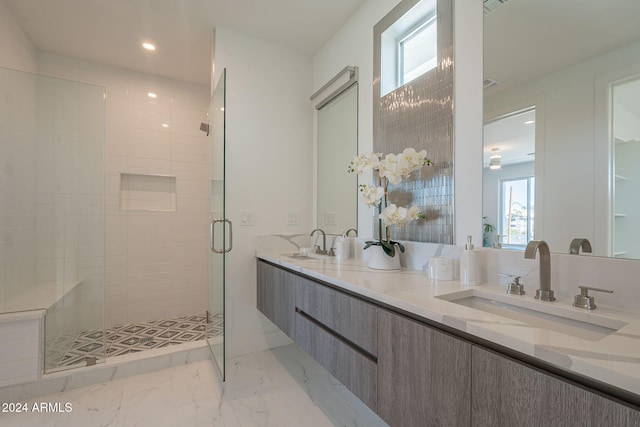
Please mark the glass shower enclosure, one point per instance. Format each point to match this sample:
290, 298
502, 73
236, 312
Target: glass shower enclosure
221, 237
52, 139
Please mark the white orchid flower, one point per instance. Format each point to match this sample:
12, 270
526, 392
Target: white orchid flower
372, 196
389, 169
365, 162
393, 214
413, 213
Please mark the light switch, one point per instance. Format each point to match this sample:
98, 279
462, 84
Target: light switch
246, 218
293, 218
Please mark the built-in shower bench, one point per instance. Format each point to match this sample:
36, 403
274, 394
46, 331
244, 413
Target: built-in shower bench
22, 329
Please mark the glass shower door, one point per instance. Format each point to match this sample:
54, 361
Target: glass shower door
221, 239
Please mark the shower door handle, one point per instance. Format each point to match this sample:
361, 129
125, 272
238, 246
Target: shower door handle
213, 234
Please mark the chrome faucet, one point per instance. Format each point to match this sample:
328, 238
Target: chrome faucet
576, 244
350, 230
544, 293
324, 242
584, 300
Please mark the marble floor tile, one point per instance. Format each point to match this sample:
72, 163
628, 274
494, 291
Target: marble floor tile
281, 387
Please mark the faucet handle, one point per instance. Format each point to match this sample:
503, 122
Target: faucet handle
514, 287
584, 300
577, 244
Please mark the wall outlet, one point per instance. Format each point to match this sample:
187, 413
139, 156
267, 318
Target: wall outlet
330, 218
293, 218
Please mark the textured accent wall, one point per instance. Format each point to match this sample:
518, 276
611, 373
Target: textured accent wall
420, 115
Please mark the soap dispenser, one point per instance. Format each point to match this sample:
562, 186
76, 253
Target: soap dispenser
470, 265
342, 247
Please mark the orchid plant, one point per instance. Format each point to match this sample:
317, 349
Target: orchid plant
391, 169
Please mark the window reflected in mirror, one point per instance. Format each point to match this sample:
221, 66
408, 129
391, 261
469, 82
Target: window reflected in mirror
509, 180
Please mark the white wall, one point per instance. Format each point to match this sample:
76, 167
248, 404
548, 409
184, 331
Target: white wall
467, 116
18, 203
269, 160
16, 50
17, 158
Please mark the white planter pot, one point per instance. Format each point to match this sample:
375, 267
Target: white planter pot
379, 260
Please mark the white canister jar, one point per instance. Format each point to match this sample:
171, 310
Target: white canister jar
342, 248
441, 268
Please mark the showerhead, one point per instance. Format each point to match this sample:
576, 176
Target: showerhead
204, 127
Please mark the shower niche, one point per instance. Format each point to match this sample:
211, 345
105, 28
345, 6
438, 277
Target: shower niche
147, 192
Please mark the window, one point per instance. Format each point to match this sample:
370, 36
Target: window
516, 211
409, 46
418, 51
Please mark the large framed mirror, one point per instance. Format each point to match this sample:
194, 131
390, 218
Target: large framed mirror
336, 146
562, 124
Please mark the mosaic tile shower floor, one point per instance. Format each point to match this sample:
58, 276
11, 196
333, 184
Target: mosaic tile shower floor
139, 337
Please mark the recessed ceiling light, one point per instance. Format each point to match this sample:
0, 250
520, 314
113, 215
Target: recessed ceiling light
529, 122
149, 46
152, 94
165, 125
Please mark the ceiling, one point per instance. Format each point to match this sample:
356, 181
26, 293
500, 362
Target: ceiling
544, 36
111, 31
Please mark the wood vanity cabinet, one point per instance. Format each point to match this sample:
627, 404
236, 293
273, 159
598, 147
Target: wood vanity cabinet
424, 375
276, 297
414, 374
339, 332
507, 392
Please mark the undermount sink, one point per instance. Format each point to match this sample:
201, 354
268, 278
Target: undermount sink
548, 316
300, 256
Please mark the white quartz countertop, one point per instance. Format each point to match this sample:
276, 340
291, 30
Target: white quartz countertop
612, 358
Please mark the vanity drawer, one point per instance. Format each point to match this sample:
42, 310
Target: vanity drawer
350, 318
276, 296
355, 370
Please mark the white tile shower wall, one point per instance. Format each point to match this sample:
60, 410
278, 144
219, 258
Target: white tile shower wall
70, 155
17, 182
155, 265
